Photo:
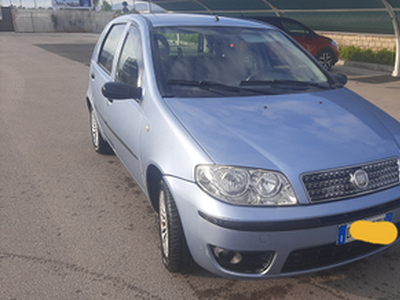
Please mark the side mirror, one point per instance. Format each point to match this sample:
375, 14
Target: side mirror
341, 78
310, 35
120, 90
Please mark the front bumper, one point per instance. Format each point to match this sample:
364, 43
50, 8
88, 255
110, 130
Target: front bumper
273, 241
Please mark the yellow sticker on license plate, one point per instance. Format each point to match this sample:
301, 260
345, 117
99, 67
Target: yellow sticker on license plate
344, 235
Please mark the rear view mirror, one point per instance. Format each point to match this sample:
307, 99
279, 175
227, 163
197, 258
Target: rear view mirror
120, 90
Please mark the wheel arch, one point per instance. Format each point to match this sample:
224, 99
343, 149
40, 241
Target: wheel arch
326, 49
153, 179
88, 104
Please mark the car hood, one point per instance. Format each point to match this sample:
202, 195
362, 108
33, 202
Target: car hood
326, 39
293, 133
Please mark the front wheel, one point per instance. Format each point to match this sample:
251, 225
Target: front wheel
326, 58
175, 253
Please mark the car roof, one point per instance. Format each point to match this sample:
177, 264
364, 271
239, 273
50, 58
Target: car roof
277, 21
272, 18
172, 19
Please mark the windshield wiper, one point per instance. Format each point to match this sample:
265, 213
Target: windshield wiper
282, 82
212, 85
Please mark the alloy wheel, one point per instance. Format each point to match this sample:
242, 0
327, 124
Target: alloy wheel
95, 130
164, 225
326, 60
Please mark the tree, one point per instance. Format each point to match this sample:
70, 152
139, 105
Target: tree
106, 6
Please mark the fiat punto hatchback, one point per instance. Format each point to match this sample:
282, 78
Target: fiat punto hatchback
255, 158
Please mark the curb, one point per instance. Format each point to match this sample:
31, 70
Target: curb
363, 65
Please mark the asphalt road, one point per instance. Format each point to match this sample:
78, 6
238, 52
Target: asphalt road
74, 225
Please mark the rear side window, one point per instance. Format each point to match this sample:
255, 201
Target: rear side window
109, 46
295, 29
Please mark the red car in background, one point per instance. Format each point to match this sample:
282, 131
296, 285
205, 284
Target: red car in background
324, 49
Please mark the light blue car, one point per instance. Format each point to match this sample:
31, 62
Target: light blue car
255, 158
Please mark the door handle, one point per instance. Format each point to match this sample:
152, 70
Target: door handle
92, 76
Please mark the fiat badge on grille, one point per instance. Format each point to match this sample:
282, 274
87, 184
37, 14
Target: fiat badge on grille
360, 179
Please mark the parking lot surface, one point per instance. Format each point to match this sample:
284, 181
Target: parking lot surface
74, 225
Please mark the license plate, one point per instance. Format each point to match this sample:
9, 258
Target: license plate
344, 235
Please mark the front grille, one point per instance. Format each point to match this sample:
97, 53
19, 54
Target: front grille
327, 255
335, 184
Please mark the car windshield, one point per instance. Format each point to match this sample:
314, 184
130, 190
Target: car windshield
221, 62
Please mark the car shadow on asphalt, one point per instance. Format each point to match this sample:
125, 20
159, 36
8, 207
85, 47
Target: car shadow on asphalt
377, 79
77, 52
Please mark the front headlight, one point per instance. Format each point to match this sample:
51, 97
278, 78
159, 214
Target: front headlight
245, 186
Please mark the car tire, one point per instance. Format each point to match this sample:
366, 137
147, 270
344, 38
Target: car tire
175, 252
326, 58
100, 145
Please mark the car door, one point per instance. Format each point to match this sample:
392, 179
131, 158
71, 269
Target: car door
101, 72
125, 117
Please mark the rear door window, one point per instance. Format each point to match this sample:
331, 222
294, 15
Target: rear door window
295, 29
107, 51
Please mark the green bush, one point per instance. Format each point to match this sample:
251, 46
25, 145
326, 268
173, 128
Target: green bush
386, 57
383, 57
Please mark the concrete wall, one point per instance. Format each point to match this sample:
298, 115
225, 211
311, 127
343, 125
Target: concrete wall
61, 20
374, 42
